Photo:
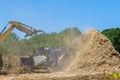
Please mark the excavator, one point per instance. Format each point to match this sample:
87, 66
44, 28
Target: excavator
43, 59
20, 26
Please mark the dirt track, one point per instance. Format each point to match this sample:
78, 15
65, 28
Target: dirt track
95, 56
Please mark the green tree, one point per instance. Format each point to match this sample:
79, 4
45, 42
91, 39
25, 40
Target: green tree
9, 44
114, 35
54, 40
24, 47
14, 45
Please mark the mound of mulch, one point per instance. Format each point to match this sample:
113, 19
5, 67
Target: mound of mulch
11, 63
94, 53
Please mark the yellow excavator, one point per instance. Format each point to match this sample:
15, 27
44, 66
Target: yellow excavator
20, 26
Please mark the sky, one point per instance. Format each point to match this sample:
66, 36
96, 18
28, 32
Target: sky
57, 15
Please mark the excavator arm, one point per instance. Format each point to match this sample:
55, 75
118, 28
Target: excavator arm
25, 28
20, 26
4, 35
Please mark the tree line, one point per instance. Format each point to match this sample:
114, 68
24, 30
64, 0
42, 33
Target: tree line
14, 45
113, 35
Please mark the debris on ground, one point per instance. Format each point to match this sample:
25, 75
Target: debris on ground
11, 63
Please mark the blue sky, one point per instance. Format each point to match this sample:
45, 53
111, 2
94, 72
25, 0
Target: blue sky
56, 15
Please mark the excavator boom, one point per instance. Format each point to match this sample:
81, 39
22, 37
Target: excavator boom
20, 26
4, 35
25, 28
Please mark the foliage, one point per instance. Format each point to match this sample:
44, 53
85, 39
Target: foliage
24, 47
114, 76
114, 35
14, 45
3, 50
9, 44
54, 40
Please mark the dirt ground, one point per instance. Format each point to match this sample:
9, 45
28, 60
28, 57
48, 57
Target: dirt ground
55, 76
95, 57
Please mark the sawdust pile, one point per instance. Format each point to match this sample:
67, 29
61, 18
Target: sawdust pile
11, 63
94, 53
